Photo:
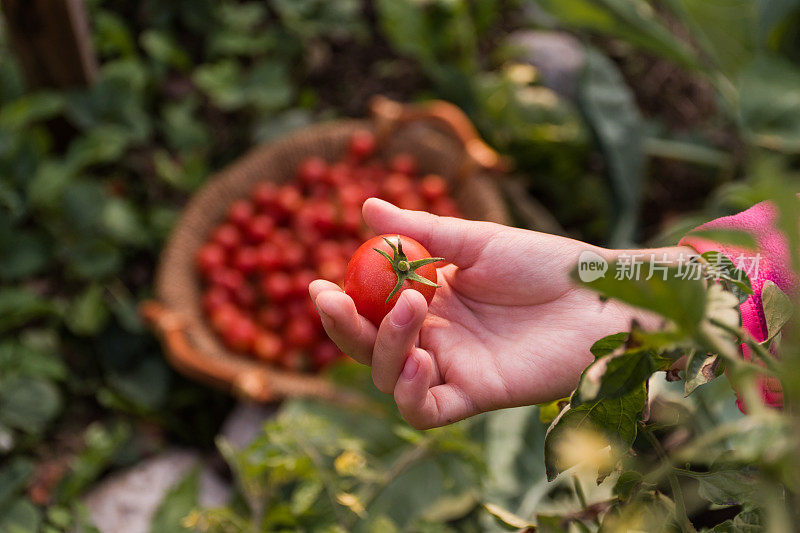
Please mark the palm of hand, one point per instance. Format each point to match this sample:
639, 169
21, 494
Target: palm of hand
501, 345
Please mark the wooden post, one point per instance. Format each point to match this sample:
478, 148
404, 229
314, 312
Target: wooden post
52, 41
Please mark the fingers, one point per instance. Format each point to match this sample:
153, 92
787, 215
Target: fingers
396, 337
423, 406
458, 241
352, 333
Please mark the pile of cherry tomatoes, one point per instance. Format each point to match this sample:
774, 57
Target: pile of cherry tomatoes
257, 263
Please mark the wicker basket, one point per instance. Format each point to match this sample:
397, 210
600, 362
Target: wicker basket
438, 134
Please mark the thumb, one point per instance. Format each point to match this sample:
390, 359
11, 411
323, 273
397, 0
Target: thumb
459, 241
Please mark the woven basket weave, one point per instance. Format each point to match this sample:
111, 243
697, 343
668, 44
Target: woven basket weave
437, 134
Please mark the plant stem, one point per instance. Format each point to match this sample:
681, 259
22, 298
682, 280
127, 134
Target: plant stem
771, 363
680, 504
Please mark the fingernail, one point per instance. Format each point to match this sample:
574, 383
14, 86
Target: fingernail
402, 312
410, 368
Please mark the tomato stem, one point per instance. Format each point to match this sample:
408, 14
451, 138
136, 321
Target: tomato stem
405, 269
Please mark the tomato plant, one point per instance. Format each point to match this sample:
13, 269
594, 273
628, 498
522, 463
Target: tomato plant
374, 279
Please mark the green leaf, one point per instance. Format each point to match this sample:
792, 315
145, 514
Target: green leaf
28, 403
730, 237
626, 483
123, 223
19, 306
768, 110
88, 313
778, 308
181, 499
14, 476
609, 344
726, 31
722, 307
161, 47
616, 419
21, 516
633, 21
305, 495
719, 266
24, 254
744, 522
700, 369
93, 259
665, 293
724, 487
405, 25
614, 376
610, 110
32, 107
101, 445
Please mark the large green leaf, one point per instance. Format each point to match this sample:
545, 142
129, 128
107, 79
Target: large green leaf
28, 403
89, 312
616, 419
176, 505
778, 308
611, 112
724, 487
24, 254
14, 476
21, 516
19, 306
725, 29
632, 20
700, 369
769, 109
609, 344
614, 376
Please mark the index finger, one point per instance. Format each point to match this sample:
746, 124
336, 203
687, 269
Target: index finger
458, 241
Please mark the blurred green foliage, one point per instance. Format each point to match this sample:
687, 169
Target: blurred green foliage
91, 181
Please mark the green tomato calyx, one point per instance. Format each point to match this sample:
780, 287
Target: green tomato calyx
405, 269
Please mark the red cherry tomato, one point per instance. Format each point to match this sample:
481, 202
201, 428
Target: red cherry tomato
312, 170
245, 295
395, 186
240, 213
259, 228
269, 258
240, 334
267, 346
300, 332
301, 280
214, 298
224, 316
404, 164
432, 187
371, 278
264, 195
362, 145
288, 201
210, 257
245, 260
227, 236
277, 286
271, 318
228, 278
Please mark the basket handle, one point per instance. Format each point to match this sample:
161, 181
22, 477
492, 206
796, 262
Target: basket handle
388, 115
261, 384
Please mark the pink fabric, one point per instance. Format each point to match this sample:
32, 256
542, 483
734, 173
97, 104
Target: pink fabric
773, 264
